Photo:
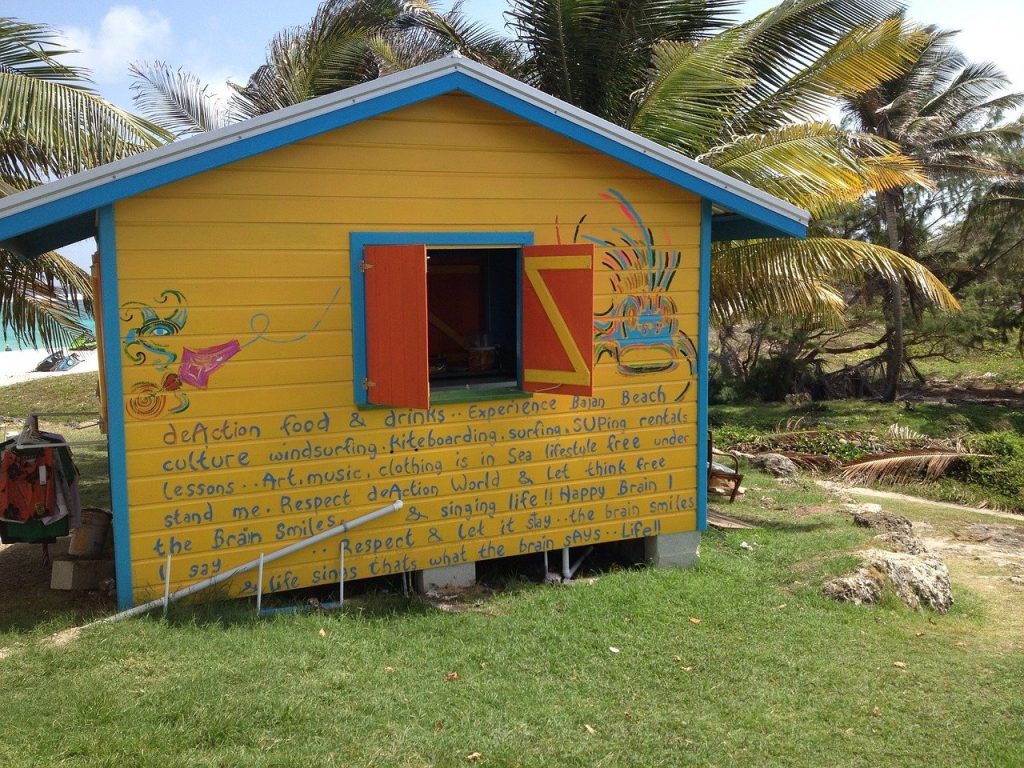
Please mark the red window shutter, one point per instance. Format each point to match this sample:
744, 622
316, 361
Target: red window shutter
558, 319
395, 284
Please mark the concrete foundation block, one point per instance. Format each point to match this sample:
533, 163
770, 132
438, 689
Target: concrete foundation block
72, 573
462, 575
676, 550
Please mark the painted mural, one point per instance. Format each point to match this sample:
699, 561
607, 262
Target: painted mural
640, 329
151, 340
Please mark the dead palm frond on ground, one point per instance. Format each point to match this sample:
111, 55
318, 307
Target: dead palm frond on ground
924, 465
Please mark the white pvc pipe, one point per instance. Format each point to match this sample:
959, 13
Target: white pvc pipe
259, 586
341, 574
222, 577
566, 570
167, 583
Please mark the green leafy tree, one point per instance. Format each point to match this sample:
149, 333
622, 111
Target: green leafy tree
982, 257
944, 112
51, 125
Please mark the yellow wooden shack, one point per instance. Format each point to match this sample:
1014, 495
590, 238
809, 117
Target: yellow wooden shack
442, 286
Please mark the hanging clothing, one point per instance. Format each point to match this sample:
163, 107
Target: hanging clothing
28, 485
39, 497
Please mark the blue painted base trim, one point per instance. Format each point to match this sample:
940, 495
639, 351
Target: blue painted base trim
704, 329
114, 398
359, 240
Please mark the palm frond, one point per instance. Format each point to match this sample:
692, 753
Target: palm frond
175, 99
903, 466
689, 95
733, 300
905, 434
857, 62
800, 275
785, 40
41, 301
596, 53
454, 31
51, 122
815, 165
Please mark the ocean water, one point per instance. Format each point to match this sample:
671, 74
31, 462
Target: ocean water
7, 338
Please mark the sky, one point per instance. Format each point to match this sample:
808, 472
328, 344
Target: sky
219, 40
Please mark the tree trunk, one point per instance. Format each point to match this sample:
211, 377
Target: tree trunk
893, 305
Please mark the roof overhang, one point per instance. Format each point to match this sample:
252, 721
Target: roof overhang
64, 211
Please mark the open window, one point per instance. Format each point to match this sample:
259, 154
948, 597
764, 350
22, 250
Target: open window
476, 319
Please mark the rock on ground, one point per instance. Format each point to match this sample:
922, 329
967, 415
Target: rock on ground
883, 521
900, 541
775, 464
917, 580
857, 588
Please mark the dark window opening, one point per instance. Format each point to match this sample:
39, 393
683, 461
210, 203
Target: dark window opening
472, 306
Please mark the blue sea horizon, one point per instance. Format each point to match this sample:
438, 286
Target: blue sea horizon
8, 339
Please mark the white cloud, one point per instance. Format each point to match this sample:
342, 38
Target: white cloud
216, 78
125, 34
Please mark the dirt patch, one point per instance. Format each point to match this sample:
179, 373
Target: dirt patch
997, 546
26, 600
983, 549
975, 390
1006, 538
812, 510
989, 560
475, 599
873, 493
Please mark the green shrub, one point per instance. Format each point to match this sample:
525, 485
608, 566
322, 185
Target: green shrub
772, 378
1002, 472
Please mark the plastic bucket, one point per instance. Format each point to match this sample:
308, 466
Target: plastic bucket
88, 539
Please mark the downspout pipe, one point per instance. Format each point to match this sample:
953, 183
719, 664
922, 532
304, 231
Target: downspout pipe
220, 578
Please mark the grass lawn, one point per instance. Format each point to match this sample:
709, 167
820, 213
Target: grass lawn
738, 662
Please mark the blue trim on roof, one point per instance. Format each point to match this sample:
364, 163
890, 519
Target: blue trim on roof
45, 215
114, 398
56, 235
704, 328
359, 240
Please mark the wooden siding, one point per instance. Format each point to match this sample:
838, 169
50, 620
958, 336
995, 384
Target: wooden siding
274, 449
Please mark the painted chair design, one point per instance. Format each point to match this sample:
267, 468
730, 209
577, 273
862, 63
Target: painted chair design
721, 478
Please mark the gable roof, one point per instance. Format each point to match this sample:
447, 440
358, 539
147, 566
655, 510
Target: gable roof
65, 211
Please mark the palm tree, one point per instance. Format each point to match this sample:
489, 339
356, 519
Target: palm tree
741, 99
944, 113
745, 100
51, 124
345, 43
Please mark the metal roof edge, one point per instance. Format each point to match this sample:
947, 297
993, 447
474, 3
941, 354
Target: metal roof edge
204, 142
194, 146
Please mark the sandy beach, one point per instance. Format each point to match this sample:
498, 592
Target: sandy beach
20, 365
